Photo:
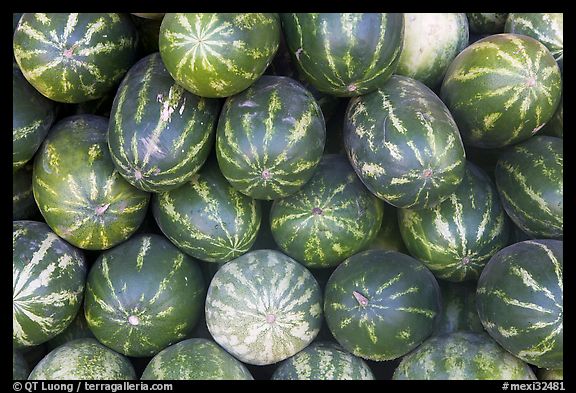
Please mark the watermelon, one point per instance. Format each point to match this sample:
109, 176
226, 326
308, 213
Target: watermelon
207, 218
380, 305
344, 54
218, 54
331, 218
388, 236
270, 138
23, 204
195, 359
457, 237
548, 28
48, 277
148, 34
487, 22
520, 301
143, 295
501, 90
263, 307
555, 127
550, 374
78, 328
20, 369
323, 360
71, 57
159, 134
462, 355
404, 144
83, 359
15, 19
458, 308
149, 15
529, 177
431, 42
79, 192
32, 117
100, 106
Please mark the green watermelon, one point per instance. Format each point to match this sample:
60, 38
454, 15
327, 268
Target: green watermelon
270, 138
529, 177
458, 308
148, 34
520, 301
71, 57
323, 360
550, 374
388, 236
502, 89
48, 283
221, 54
83, 359
20, 369
431, 42
344, 54
195, 359
487, 23
548, 28
15, 19
23, 204
331, 218
457, 237
159, 134
100, 106
462, 356
380, 305
263, 307
78, 328
207, 218
32, 117
79, 192
404, 144
143, 295
555, 127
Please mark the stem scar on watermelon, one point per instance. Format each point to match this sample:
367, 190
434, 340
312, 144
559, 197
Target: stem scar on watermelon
360, 298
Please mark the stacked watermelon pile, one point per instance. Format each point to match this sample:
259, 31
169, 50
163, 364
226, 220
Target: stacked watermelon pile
287, 196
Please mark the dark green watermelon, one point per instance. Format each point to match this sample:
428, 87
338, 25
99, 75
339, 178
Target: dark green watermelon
48, 283
520, 301
380, 305
404, 144
344, 54
555, 127
270, 138
23, 203
143, 295
78, 328
388, 236
80, 193
331, 218
487, 22
159, 134
20, 369
458, 308
74, 57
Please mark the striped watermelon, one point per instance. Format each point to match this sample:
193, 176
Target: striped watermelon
344, 54
79, 192
520, 301
221, 54
462, 356
487, 22
20, 369
32, 117
457, 237
159, 134
380, 305
75, 57
207, 218
143, 295
548, 28
48, 277
78, 328
270, 138
529, 177
23, 204
555, 127
404, 144
323, 360
83, 359
195, 359
458, 308
550, 374
331, 218
263, 307
431, 42
502, 89
388, 236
